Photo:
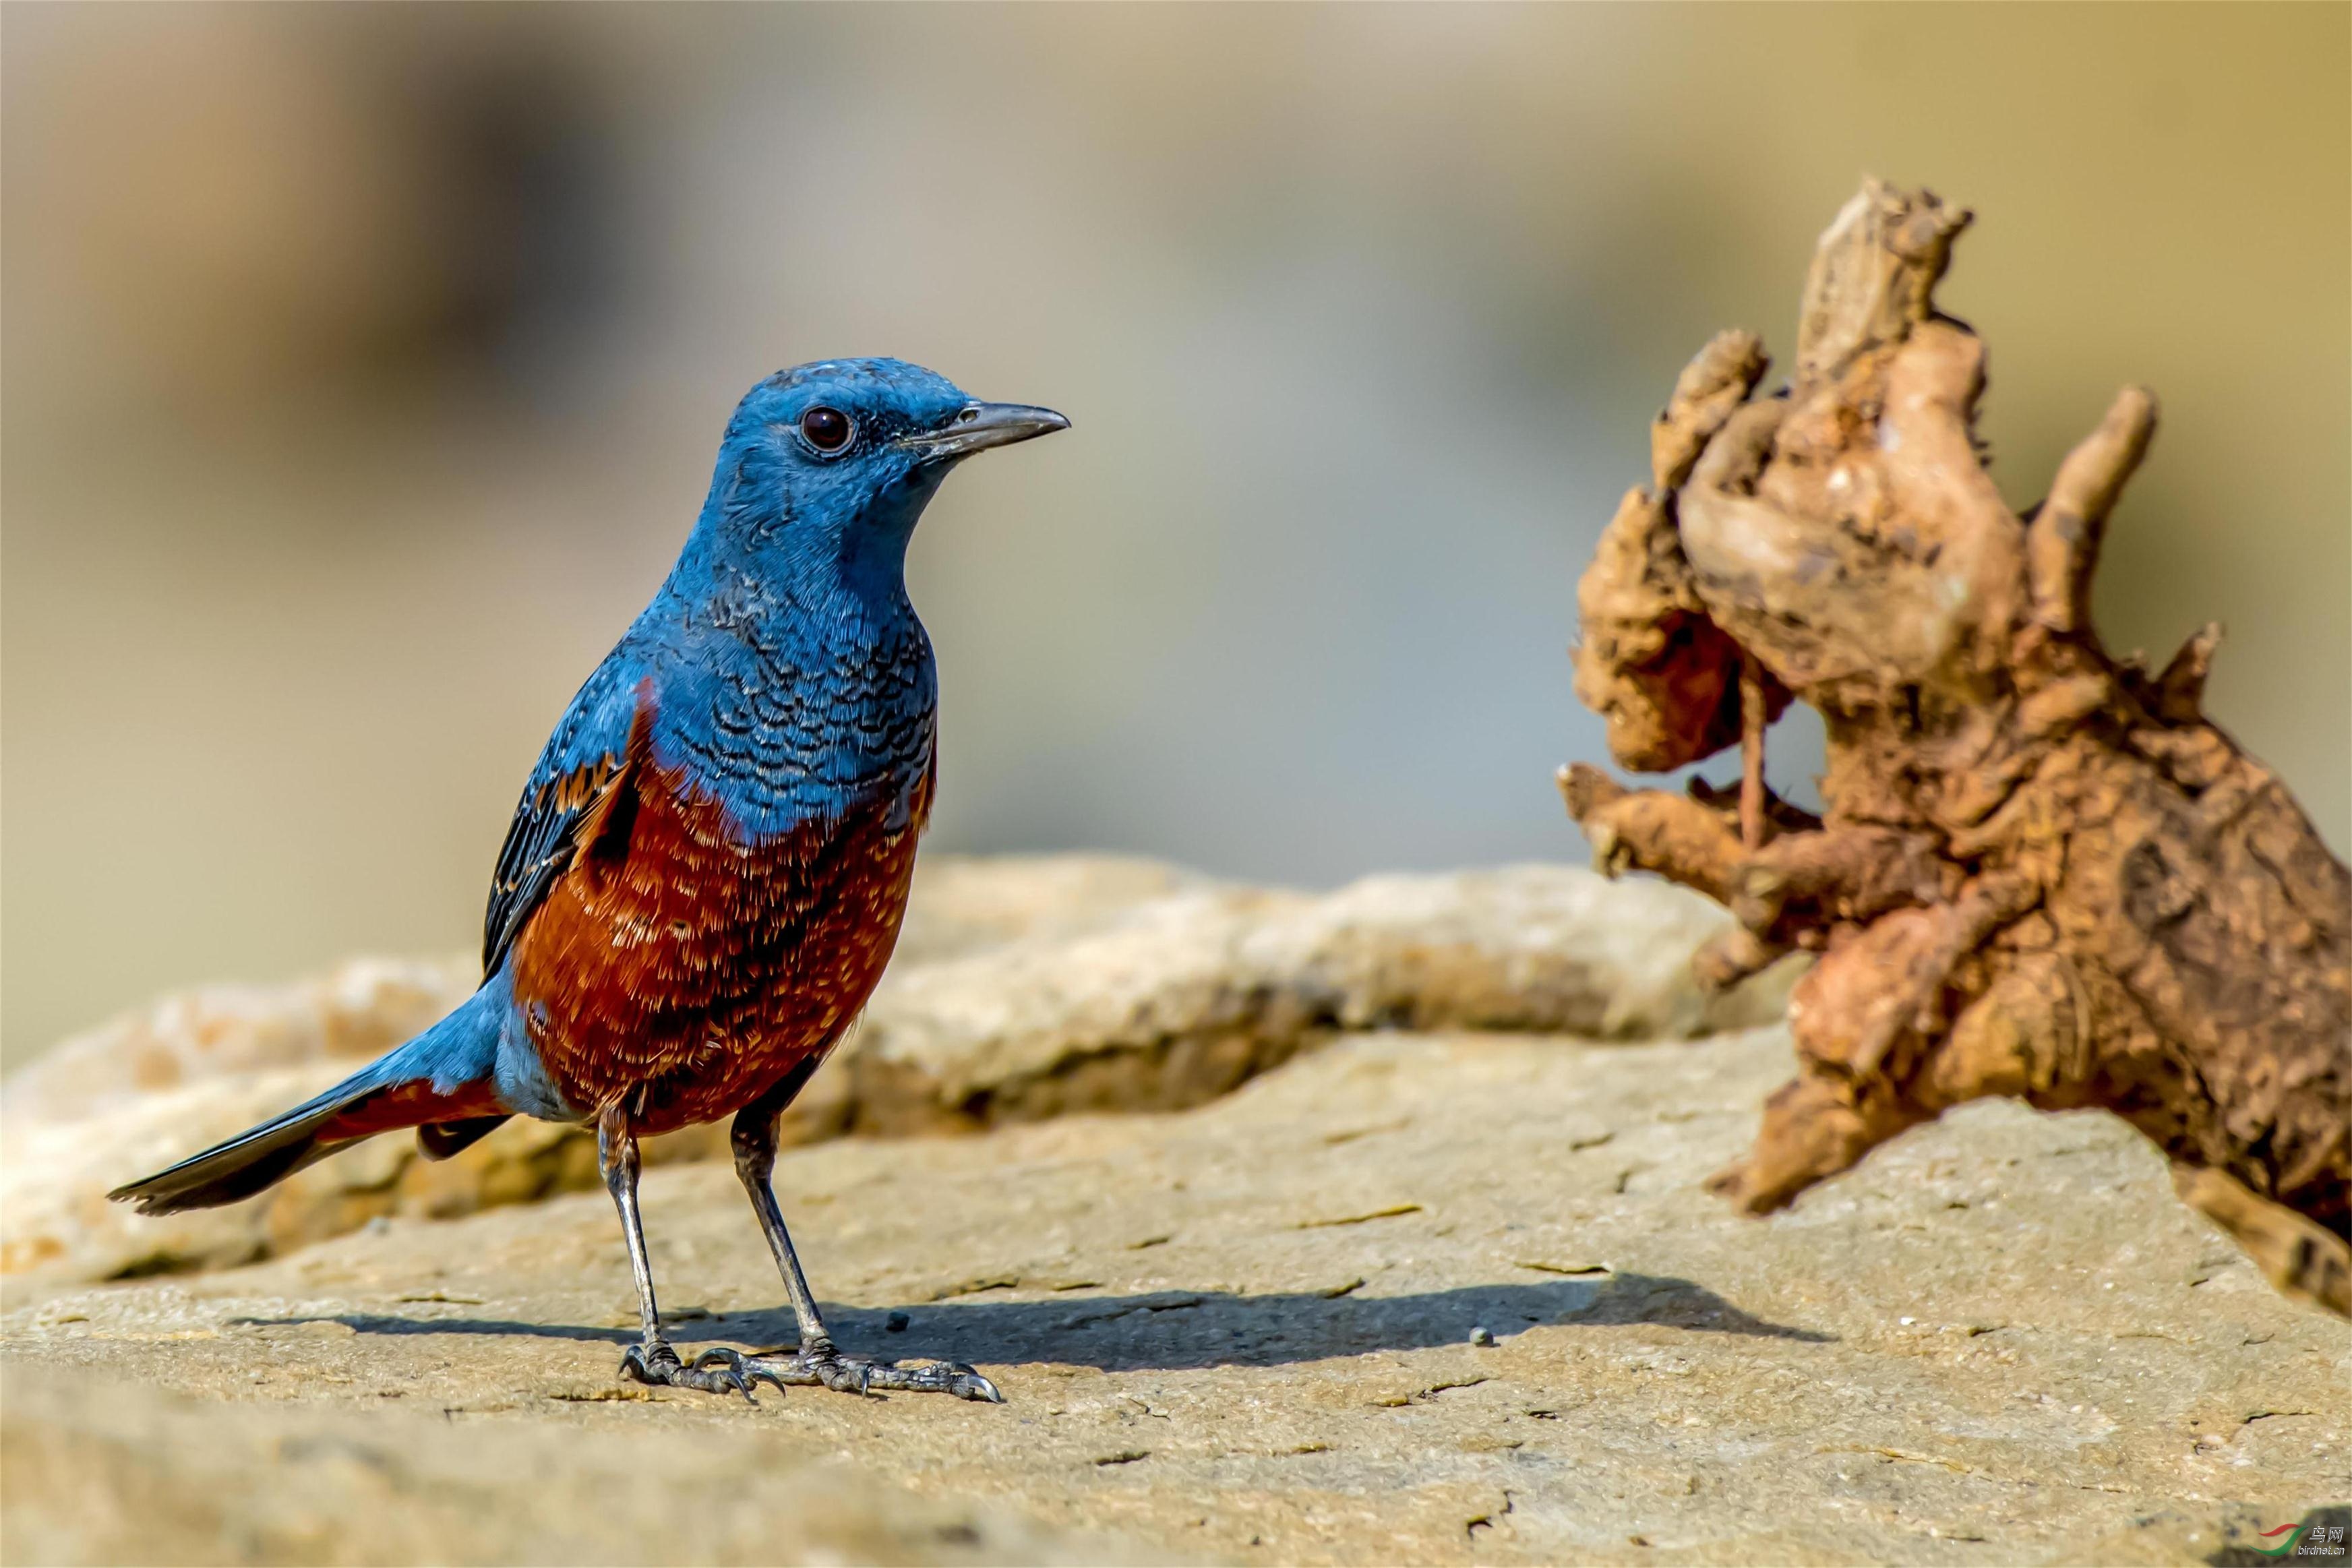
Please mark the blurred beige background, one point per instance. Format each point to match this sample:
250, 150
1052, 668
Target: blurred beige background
362, 367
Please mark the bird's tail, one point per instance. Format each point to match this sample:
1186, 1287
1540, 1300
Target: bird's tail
443, 1082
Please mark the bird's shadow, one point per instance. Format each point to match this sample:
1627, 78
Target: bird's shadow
1176, 1330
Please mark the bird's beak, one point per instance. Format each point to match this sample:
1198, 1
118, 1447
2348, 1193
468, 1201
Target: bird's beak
977, 426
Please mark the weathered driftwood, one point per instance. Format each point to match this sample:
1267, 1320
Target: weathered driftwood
2040, 871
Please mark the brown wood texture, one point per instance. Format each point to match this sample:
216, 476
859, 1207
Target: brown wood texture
2040, 871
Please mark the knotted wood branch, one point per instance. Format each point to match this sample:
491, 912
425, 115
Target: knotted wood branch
2040, 871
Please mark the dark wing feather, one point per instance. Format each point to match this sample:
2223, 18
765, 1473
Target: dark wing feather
585, 769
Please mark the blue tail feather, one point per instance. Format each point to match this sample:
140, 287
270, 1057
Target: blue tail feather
444, 1081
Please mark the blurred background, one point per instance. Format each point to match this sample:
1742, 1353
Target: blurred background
363, 366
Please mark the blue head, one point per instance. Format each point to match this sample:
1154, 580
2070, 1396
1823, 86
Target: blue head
825, 468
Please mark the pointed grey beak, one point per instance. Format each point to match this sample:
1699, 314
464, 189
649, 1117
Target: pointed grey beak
977, 426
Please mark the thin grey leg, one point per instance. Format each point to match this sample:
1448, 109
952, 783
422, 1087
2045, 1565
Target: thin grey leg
651, 1360
819, 1361
755, 1165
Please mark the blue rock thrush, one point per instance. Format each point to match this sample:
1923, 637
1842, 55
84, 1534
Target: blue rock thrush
709, 866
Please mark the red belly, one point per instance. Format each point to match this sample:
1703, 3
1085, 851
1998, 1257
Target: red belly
678, 973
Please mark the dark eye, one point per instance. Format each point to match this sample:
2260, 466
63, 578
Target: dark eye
826, 429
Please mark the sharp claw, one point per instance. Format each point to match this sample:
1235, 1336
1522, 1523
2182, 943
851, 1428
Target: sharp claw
732, 1365
720, 1370
716, 1371
746, 1370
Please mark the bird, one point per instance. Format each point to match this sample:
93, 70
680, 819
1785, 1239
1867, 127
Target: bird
709, 863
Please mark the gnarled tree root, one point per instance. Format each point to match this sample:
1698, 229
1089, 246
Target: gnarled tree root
2040, 871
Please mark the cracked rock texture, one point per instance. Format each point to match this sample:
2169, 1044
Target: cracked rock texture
1024, 988
1240, 1331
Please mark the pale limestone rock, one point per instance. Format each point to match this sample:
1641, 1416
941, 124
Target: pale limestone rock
365, 1006
1051, 984
1176, 1000
55, 1176
135, 1478
963, 903
358, 1010
1240, 1332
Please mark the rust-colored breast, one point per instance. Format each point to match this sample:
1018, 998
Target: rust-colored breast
679, 973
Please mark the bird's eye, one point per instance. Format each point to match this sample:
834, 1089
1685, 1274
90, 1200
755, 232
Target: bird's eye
826, 429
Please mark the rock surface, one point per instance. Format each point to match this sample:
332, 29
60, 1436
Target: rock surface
1027, 988
1242, 1331
147, 1480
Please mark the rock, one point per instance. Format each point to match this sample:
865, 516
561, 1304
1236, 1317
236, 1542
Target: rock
1179, 999
358, 1010
54, 1183
2227, 1537
246, 1484
962, 904
1240, 1332
1031, 988
968, 903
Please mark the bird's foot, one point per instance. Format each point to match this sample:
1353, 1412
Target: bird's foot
824, 1364
715, 1371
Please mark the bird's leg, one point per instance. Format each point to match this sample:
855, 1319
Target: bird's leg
819, 1361
651, 1360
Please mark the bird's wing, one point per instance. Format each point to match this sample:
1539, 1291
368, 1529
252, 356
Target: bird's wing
583, 776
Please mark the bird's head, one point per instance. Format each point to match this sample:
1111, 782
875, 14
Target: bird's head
829, 465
